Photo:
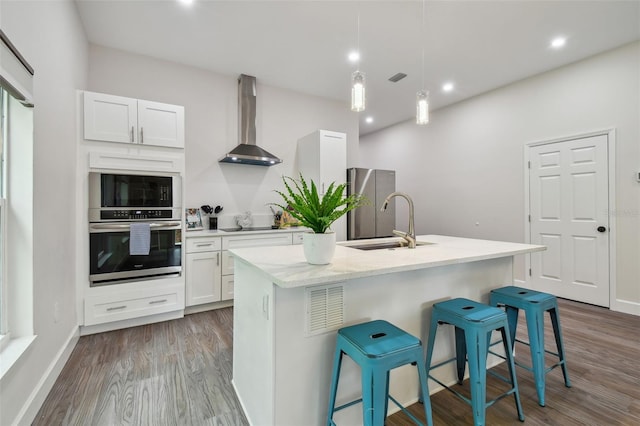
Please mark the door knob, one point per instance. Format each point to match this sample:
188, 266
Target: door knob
601, 229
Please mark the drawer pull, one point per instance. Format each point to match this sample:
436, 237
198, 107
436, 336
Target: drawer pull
204, 245
153, 302
116, 308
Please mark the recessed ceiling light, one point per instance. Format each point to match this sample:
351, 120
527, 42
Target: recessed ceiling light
558, 42
354, 56
447, 87
369, 120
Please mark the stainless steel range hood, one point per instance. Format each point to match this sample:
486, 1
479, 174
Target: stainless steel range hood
247, 152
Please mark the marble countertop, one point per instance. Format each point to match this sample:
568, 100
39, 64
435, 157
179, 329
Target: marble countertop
287, 267
221, 233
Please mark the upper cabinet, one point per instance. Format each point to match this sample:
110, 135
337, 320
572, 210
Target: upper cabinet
119, 119
322, 156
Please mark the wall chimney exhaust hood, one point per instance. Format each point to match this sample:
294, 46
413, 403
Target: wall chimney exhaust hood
247, 152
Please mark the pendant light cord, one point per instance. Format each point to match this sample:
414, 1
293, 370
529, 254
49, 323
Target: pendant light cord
422, 41
358, 38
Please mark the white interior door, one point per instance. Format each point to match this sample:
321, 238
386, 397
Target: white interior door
569, 199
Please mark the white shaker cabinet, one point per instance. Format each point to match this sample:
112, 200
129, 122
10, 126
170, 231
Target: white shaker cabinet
322, 157
125, 120
210, 268
203, 271
239, 241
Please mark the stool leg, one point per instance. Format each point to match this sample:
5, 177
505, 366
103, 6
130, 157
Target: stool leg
337, 362
477, 348
512, 317
424, 392
508, 350
367, 396
380, 387
433, 328
535, 327
386, 399
461, 354
557, 332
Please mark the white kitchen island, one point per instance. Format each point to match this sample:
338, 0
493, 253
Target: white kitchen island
287, 312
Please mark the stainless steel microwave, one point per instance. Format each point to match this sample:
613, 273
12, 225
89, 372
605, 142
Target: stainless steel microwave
131, 197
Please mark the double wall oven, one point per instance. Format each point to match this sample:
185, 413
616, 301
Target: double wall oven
118, 201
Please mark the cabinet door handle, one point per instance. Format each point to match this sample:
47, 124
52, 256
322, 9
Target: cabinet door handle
141, 134
132, 134
153, 302
116, 308
218, 259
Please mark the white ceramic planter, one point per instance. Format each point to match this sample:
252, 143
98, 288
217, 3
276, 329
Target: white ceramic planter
319, 248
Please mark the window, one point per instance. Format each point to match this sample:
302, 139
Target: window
16, 203
3, 280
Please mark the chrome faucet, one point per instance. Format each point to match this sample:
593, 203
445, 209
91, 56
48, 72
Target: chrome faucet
411, 235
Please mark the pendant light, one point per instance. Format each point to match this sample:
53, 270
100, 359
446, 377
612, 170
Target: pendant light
422, 108
357, 92
422, 97
357, 82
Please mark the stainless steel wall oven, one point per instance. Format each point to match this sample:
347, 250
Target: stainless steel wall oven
120, 204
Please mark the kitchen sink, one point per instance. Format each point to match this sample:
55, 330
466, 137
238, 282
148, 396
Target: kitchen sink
388, 245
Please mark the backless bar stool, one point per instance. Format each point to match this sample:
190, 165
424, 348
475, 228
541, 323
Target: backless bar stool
377, 347
534, 304
473, 323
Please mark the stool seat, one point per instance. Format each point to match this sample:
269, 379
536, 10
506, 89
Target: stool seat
379, 338
474, 322
535, 304
466, 310
377, 347
522, 297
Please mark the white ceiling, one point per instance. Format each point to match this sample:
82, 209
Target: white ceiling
303, 45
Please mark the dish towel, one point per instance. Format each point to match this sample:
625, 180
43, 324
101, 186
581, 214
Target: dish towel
139, 239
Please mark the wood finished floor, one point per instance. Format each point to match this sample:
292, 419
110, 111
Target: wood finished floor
171, 373
603, 355
179, 373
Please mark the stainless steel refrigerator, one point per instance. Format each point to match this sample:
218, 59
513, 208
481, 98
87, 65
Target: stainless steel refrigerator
368, 221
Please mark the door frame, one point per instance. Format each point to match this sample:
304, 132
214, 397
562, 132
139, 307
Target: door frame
611, 164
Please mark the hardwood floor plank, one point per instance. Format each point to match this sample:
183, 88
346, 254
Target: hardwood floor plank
179, 373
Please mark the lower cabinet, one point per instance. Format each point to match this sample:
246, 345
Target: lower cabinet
106, 306
203, 280
209, 265
227, 287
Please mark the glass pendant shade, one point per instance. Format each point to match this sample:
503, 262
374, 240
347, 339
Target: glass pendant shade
357, 91
422, 108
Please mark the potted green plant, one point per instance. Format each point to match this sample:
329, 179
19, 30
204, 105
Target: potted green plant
317, 212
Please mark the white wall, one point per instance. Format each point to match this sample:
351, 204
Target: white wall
466, 167
211, 104
51, 38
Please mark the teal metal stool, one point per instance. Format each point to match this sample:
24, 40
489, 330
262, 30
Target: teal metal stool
377, 347
474, 322
534, 304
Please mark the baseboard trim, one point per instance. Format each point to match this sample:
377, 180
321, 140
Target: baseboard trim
244, 407
31, 407
207, 307
519, 283
626, 306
